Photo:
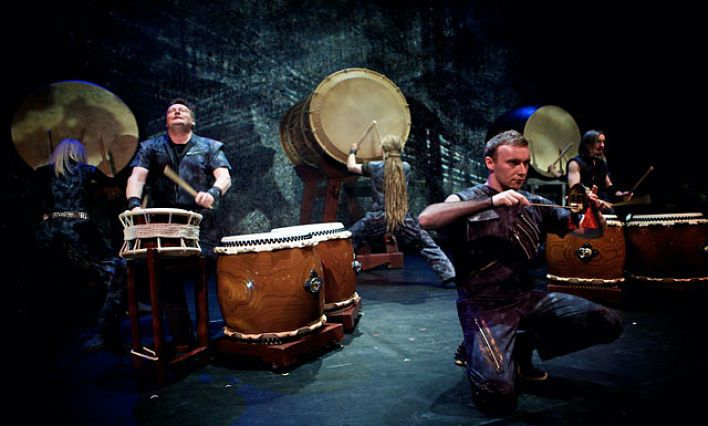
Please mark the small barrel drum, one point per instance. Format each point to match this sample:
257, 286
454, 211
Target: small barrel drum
335, 249
172, 232
595, 262
269, 286
668, 248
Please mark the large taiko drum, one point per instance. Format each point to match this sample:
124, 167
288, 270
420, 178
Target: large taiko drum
667, 248
595, 262
338, 113
334, 246
270, 286
172, 232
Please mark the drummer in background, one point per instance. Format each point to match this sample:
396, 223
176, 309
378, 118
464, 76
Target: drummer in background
496, 234
201, 162
389, 212
589, 167
68, 234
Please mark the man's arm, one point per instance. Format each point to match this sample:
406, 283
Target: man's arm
134, 188
221, 185
573, 173
352, 165
443, 214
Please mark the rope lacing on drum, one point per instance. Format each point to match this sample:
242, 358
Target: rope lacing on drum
264, 241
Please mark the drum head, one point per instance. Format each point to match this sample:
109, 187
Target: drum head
344, 105
78, 110
549, 130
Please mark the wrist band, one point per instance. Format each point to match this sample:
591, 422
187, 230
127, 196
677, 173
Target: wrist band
215, 192
134, 202
491, 201
352, 151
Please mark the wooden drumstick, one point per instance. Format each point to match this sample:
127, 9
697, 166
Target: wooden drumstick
104, 157
376, 129
573, 208
366, 132
562, 153
174, 177
642, 178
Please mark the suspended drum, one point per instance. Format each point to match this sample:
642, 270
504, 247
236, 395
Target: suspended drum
550, 130
268, 286
77, 110
172, 232
588, 262
667, 248
339, 112
334, 246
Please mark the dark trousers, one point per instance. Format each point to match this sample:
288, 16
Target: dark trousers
554, 323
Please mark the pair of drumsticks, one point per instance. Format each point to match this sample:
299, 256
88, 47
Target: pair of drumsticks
575, 208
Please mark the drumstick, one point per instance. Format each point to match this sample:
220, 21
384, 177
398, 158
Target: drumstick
179, 181
555, 205
562, 153
366, 132
642, 178
376, 129
104, 157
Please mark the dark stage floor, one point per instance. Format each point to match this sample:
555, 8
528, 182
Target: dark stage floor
395, 368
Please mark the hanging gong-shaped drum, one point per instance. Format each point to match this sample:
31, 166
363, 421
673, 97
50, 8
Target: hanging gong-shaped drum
341, 111
77, 110
552, 133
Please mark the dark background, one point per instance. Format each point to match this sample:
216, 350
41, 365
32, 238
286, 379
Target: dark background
631, 72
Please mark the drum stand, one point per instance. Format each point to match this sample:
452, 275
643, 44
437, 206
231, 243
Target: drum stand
160, 354
335, 177
280, 356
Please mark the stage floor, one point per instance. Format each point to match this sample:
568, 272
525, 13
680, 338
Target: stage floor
394, 368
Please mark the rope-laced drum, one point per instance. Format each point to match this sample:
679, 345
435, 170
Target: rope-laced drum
269, 286
667, 248
335, 249
582, 262
172, 232
339, 112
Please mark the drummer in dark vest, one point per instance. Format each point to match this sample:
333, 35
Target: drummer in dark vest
495, 233
589, 167
200, 162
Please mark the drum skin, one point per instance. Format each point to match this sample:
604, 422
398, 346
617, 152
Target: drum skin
575, 259
667, 249
264, 292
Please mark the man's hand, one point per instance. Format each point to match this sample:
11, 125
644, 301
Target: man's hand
509, 198
204, 199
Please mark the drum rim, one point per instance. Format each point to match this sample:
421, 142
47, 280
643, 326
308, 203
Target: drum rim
165, 210
316, 99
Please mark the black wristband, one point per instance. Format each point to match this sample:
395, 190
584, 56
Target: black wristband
215, 192
134, 202
491, 202
353, 151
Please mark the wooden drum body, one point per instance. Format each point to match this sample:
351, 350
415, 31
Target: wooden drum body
334, 247
172, 232
668, 247
338, 112
269, 286
594, 262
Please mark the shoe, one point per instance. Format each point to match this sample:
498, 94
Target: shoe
460, 355
94, 343
531, 373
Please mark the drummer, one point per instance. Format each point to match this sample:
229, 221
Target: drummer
589, 167
200, 162
67, 232
389, 213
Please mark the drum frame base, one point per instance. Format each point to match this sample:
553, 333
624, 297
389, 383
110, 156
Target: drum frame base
392, 258
283, 355
161, 354
348, 317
